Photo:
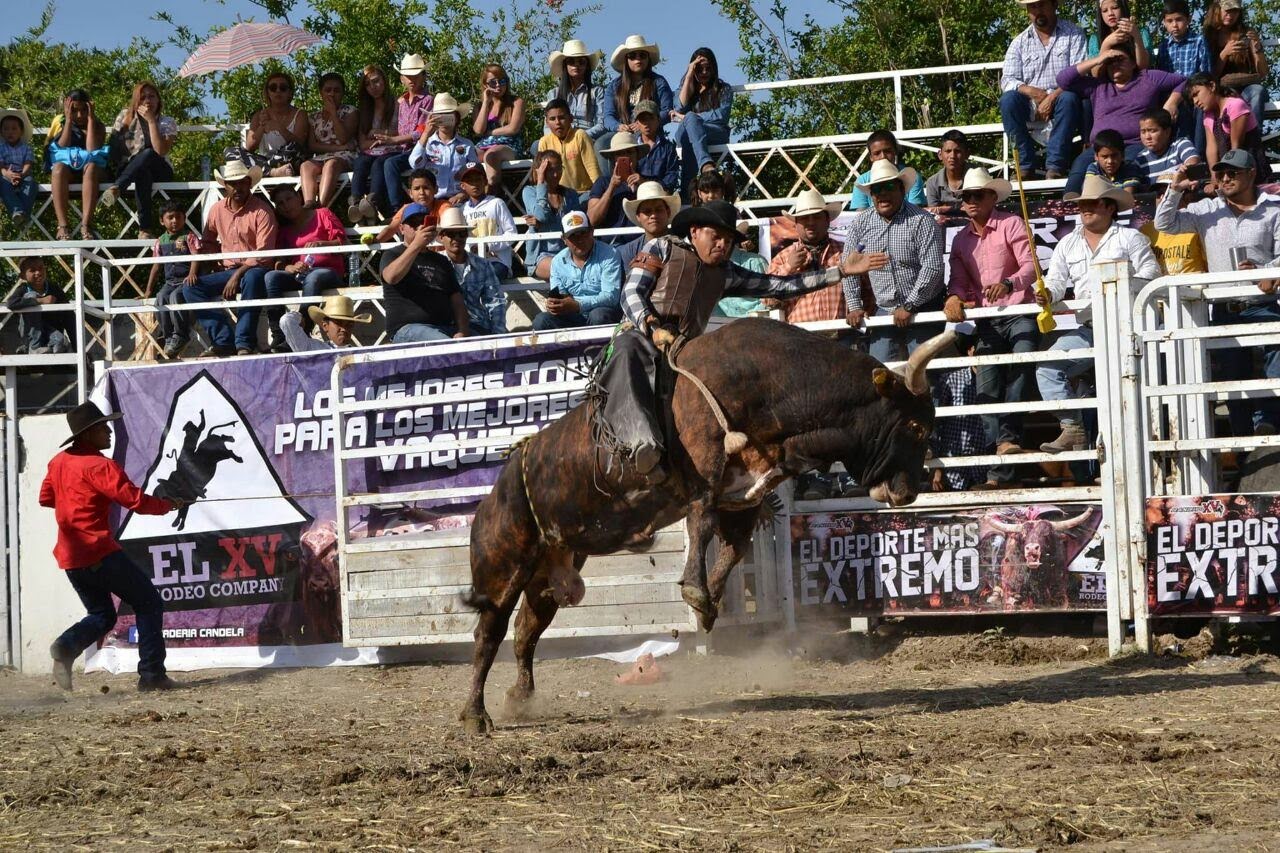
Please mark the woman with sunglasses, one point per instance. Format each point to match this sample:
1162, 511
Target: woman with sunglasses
279, 125
636, 81
703, 115
498, 123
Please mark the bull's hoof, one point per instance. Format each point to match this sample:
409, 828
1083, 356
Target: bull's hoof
700, 601
476, 724
519, 703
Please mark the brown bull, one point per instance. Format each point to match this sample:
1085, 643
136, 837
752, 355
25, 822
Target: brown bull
1033, 570
802, 401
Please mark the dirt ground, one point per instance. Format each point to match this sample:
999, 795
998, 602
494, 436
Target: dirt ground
1037, 743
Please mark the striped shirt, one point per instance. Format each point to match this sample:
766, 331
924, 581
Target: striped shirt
913, 241
1153, 164
1031, 62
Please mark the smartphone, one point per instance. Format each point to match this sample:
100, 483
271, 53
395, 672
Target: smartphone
623, 167
555, 293
1198, 172
430, 220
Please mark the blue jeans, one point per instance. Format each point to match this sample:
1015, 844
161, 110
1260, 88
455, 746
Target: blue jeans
1237, 363
380, 177
41, 335
605, 315
208, 288
891, 343
117, 575
692, 136
1075, 180
1053, 376
164, 317
1005, 384
279, 282
416, 333
1016, 111
1256, 97
19, 199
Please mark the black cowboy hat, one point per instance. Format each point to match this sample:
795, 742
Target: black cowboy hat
717, 214
84, 416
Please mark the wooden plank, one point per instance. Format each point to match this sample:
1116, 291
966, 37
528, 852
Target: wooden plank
552, 633
398, 569
655, 617
417, 558
443, 603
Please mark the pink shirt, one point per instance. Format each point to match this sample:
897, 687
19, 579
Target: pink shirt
252, 228
1231, 109
412, 114
1001, 251
324, 225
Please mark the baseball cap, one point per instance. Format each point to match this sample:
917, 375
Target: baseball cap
1236, 158
573, 222
467, 168
412, 211
647, 106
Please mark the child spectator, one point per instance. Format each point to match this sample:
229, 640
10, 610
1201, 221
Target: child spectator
1110, 165
1228, 123
174, 241
659, 162
941, 191
1117, 29
712, 186
43, 331
441, 150
17, 186
77, 146
546, 200
375, 127
499, 122
332, 143
883, 145
422, 189
1177, 254
704, 105
573, 147
488, 215
1187, 53
1161, 153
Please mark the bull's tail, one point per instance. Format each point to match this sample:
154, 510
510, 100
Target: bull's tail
476, 601
472, 598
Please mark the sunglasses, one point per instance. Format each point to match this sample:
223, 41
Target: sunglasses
497, 82
279, 87
884, 188
638, 54
1233, 174
576, 60
972, 195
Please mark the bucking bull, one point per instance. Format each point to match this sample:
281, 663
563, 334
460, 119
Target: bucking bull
803, 402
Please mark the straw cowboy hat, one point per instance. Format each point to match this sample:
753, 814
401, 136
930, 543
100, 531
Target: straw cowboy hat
979, 178
811, 201
573, 49
622, 142
649, 191
717, 214
620, 52
412, 65
236, 170
451, 219
446, 103
336, 308
20, 115
882, 171
1097, 187
84, 416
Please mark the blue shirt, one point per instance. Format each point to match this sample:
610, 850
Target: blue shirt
662, 94
1186, 57
482, 292
1030, 62
444, 159
597, 284
585, 107
861, 200
661, 164
1130, 177
15, 155
717, 116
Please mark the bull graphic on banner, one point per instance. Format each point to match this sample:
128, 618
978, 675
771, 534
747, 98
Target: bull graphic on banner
196, 463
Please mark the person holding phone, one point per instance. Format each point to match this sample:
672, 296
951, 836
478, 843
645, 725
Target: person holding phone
1116, 28
441, 150
1239, 62
375, 125
604, 207
420, 291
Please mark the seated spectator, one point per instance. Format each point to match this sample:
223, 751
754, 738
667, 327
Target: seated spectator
572, 68
140, 144
1177, 254
1116, 28
441, 150
1109, 163
420, 184
813, 249
1161, 153
712, 186
1239, 62
702, 112
420, 292
546, 201
1184, 51
303, 228
1229, 124
652, 209
412, 109
376, 122
883, 145
579, 168
77, 146
175, 240
17, 161
43, 332
1098, 238
279, 131
942, 190
334, 134
1238, 217
1029, 87
659, 161
636, 81
586, 280
604, 208
499, 123
335, 318
744, 255
478, 277
488, 215
238, 222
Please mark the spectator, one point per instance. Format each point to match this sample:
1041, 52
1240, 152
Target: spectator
174, 241
413, 107
376, 128
241, 222
586, 280
279, 131
440, 149
1120, 98
942, 190
1109, 163
335, 318
604, 208
499, 122
420, 292
745, 256
17, 185
1184, 52
546, 201
1098, 238
1161, 153
140, 144
1029, 87
991, 266
333, 139
422, 189
652, 209
1116, 28
636, 81
883, 145
1239, 62
702, 112
77, 144
572, 68
1177, 254
1228, 123
658, 161
42, 332
304, 228
488, 215
912, 281
813, 248
1239, 217
572, 146
477, 277
712, 186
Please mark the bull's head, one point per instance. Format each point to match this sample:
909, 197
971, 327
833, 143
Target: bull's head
1038, 536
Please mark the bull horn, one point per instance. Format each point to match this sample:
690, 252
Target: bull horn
1068, 524
913, 373
1003, 526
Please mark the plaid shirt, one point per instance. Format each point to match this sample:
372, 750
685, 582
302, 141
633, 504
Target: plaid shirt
824, 304
962, 436
913, 241
1187, 57
1029, 61
482, 293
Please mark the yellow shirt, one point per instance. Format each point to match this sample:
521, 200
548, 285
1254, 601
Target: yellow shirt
580, 169
1178, 254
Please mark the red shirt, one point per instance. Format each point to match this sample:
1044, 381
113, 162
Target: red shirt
81, 486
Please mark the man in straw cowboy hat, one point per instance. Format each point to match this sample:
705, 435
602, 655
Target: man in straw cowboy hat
80, 487
479, 278
17, 161
813, 248
335, 317
1097, 239
419, 289
604, 207
991, 266
239, 222
652, 209
586, 277
672, 288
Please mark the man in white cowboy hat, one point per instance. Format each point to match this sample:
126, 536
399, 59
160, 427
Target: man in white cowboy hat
240, 222
636, 81
478, 277
991, 266
336, 317
604, 207
17, 160
813, 248
440, 149
420, 292
912, 281
1097, 239
586, 280
413, 110
652, 209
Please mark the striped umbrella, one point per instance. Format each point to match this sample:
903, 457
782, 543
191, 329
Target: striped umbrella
246, 43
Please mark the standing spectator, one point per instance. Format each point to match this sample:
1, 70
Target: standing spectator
1097, 239
1228, 123
604, 208
586, 280
659, 161
279, 131
375, 127
1239, 61
419, 289
173, 242
1161, 153
991, 266
572, 68
883, 145
1116, 28
572, 146
303, 228
334, 134
77, 144
912, 281
499, 122
1029, 87
1185, 52
420, 184
1239, 217
488, 215
546, 201
440, 148
336, 319
813, 248
140, 144
702, 112
477, 277
42, 331
652, 209
942, 190
17, 185
636, 81
239, 222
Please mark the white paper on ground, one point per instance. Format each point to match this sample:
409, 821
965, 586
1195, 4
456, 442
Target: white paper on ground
117, 661
657, 648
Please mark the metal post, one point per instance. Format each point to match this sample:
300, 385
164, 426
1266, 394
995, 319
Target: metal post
106, 309
897, 99
340, 491
6, 613
12, 585
82, 391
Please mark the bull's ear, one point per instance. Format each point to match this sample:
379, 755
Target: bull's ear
884, 380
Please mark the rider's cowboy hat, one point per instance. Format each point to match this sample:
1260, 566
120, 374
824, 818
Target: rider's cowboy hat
573, 49
620, 52
412, 65
451, 219
811, 201
623, 141
84, 416
882, 171
979, 178
236, 170
1097, 187
20, 115
717, 214
446, 103
649, 191
337, 308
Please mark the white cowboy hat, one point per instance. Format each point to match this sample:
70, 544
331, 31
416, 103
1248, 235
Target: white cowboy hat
412, 65
623, 141
572, 49
336, 308
236, 170
1097, 187
20, 115
443, 102
979, 178
451, 219
882, 171
649, 191
811, 201
634, 43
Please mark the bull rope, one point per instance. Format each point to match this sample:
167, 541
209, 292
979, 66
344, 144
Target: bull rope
734, 441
